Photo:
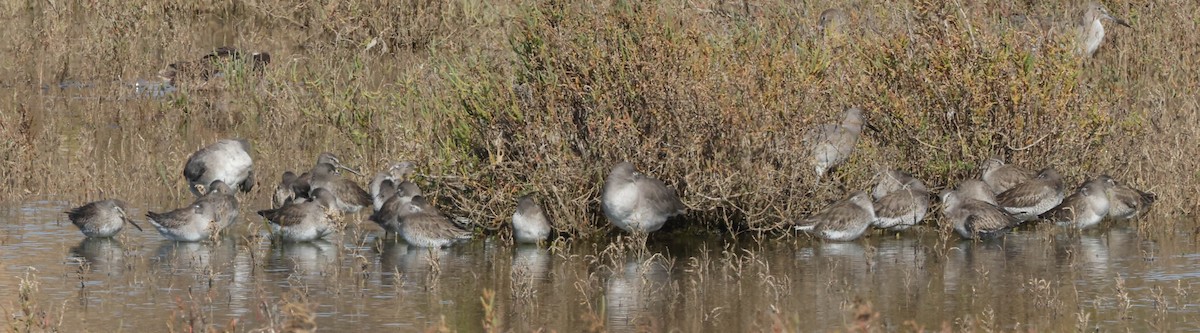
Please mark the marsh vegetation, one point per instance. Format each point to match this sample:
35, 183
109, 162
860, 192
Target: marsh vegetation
499, 99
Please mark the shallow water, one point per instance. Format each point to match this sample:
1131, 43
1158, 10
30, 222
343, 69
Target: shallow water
1034, 279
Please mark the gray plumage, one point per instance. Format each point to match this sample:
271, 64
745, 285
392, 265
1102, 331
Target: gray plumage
305, 221
1002, 177
1127, 203
422, 225
103, 218
973, 218
889, 181
1086, 207
638, 203
350, 197
223, 203
1089, 29
903, 208
286, 190
225, 160
1032, 198
845, 220
396, 173
389, 214
830, 145
188, 224
530, 224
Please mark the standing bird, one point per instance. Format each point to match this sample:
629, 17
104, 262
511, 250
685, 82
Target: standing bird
101, 219
305, 221
972, 212
388, 216
188, 224
530, 224
286, 190
396, 173
830, 145
1032, 198
832, 20
422, 225
350, 197
223, 203
226, 160
845, 220
890, 180
1126, 203
638, 203
1001, 177
1086, 207
1089, 30
904, 208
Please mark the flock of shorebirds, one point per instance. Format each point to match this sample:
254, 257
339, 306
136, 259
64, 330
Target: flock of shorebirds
308, 206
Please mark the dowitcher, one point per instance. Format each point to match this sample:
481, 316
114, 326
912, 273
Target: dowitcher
1086, 207
844, 220
103, 218
388, 216
904, 208
188, 224
424, 226
636, 202
212, 65
1089, 29
832, 20
1127, 203
1001, 177
973, 213
286, 190
830, 145
1034, 197
889, 180
350, 197
529, 222
396, 173
223, 203
225, 160
305, 221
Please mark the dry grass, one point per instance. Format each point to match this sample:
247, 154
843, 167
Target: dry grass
496, 100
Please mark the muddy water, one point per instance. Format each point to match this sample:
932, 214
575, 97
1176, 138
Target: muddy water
1046, 280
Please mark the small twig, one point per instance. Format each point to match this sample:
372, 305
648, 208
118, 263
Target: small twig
1039, 140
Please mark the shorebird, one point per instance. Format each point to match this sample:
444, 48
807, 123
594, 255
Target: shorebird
638, 203
904, 208
212, 65
1127, 203
1086, 207
302, 222
844, 220
530, 224
225, 160
350, 197
830, 145
223, 203
188, 224
422, 225
890, 180
1032, 198
1089, 29
832, 20
396, 173
1001, 177
103, 218
388, 216
286, 190
973, 213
